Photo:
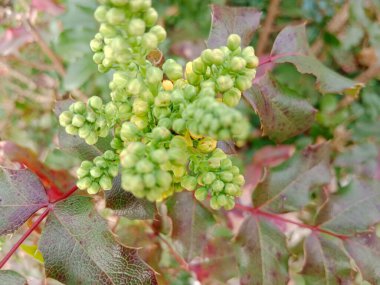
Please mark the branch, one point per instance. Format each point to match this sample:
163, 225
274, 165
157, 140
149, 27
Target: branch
336, 24
66, 195
24, 236
184, 265
46, 49
267, 28
372, 72
259, 212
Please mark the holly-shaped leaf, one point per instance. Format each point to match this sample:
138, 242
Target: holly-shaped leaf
21, 195
191, 222
365, 250
262, 253
9, 277
127, 205
78, 248
288, 186
291, 46
352, 209
243, 21
282, 115
326, 261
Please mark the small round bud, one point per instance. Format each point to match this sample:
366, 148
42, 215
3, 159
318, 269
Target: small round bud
91, 139
207, 144
208, 178
115, 16
154, 75
224, 83
107, 30
78, 121
95, 102
65, 118
237, 63
189, 182
233, 42
84, 183
96, 172
214, 204
98, 57
136, 27
198, 66
172, 69
179, 126
243, 83
105, 182
201, 193
159, 156
96, 45
232, 97
150, 17
100, 13
217, 186
159, 32
94, 188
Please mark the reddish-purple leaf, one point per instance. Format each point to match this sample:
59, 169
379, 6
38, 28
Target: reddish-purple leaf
282, 115
288, 186
326, 261
262, 253
243, 21
352, 209
21, 195
56, 182
191, 222
14, 38
365, 250
78, 248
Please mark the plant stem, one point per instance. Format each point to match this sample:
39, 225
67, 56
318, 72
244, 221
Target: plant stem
66, 195
259, 212
24, 237
184, 265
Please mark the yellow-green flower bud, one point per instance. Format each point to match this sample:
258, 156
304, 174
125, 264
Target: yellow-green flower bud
201, 193
233, 42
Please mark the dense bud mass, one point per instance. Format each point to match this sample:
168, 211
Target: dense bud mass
165, 122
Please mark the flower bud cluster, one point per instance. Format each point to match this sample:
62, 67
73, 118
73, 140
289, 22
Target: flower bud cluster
127, 33
214, 175
90, 121
99, 173
227, 71
164, 122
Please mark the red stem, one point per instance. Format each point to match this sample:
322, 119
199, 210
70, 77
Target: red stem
275, 57
66, 195
259, 212
24, 237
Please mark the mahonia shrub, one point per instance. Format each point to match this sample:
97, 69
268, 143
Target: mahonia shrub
165, 121
154, 148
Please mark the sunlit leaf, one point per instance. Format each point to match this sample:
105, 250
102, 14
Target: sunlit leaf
79, 249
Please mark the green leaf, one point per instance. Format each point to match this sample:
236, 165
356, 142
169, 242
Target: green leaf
291, 46
326, 261
21, 195
191, 222
365, 250
9, 277
282, 116
33, 251
352, 209
78, 248
78, 73
287, 187
127, 205
262, 253
243, 21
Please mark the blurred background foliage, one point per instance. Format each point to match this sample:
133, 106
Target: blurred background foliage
45, 57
